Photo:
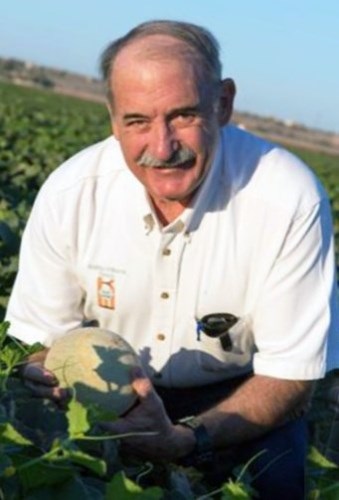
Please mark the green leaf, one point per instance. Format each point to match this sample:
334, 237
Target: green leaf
8, 434
319, 460
44, 474
77, 419
236, 490
4, 325
10, 356
96, 465
120, 487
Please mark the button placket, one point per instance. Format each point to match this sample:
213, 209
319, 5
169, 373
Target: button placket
166, 272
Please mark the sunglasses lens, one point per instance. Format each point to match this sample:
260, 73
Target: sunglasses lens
216, 324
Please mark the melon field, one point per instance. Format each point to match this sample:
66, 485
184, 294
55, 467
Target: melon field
47, 452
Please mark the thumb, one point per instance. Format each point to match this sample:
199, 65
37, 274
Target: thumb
141, 383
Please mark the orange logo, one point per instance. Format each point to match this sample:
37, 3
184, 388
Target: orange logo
106, 292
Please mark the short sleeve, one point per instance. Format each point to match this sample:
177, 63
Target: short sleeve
295, 321
46, 299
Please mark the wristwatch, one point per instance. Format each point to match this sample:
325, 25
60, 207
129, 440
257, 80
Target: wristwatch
202, 454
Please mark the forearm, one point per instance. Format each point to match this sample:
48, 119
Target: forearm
257, 406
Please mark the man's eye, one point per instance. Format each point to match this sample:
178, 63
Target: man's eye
137, 124
131, 123
185, 118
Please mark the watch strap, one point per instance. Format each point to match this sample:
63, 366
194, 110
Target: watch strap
202, 454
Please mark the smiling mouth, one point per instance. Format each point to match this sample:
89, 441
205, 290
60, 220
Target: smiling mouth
180, 166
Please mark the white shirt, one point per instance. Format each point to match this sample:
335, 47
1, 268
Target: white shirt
257, 243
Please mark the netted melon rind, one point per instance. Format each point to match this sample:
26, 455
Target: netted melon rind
96, 363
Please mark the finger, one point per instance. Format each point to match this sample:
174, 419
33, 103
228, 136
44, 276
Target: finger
143, 387
141, 384
35, 372
148, 396
54, 393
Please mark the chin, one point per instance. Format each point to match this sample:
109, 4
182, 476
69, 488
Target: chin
183, 198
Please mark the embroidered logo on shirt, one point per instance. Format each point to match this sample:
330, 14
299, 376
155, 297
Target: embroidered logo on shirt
106, 292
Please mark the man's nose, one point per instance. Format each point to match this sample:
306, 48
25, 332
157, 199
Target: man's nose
163, 142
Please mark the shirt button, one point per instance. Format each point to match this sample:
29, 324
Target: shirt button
164, 295
166, 251
161, 336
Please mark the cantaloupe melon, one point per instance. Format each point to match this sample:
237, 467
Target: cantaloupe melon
96, 363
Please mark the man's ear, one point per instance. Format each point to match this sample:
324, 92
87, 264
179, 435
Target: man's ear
227, 94
114, 128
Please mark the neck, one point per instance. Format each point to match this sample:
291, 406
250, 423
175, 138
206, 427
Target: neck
167, 211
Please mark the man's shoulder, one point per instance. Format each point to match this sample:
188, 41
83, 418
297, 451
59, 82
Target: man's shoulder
269, 172
92, 163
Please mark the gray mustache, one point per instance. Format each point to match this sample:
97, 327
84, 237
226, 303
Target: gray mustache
179, 156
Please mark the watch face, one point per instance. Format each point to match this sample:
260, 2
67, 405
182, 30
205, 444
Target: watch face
192, 422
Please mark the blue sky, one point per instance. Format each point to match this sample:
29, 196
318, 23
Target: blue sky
282, 54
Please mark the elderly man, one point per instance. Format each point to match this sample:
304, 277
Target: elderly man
209, 249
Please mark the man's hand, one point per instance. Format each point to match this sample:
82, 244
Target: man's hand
40, 381
167, 442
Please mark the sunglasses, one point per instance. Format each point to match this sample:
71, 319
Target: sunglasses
217, 325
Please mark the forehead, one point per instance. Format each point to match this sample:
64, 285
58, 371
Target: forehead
160, 52
154, 47
157, 67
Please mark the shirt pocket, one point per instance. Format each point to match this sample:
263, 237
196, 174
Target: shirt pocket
237, 358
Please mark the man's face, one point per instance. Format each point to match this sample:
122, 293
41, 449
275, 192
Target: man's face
166, 124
